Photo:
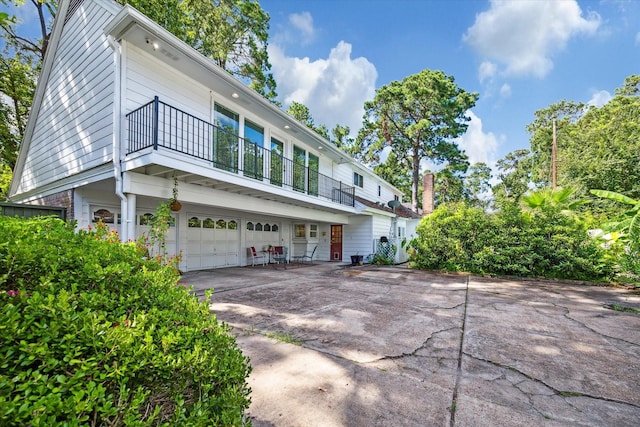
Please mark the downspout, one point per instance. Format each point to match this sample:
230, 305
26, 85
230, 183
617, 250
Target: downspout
117, 167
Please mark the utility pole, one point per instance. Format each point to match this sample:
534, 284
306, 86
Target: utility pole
554, 164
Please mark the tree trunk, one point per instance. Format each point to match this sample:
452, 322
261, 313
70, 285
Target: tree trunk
416, 179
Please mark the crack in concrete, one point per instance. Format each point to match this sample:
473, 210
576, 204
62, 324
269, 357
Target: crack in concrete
414, 352
562, 393
454, 398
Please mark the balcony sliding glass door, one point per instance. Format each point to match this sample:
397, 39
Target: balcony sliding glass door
225, 139
277, 164
253, 150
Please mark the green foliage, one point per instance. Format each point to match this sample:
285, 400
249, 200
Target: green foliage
93, 333
5, 181
419, 118
624, 231
539, 243
598, 147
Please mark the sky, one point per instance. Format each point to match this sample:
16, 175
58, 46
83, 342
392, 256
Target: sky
518, 55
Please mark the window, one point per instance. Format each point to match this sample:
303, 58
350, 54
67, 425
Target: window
277, 150
314, 165
208, 223
379, 190
194, 222
225, 138
221, 224
313, 231
253, 152
250, 226
103, 215
300, 231
299, 162
396, 197
358, 180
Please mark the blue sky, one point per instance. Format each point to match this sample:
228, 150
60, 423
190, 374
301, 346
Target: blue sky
519, 55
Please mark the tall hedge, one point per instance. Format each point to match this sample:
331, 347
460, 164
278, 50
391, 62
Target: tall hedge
92, 333
510, 242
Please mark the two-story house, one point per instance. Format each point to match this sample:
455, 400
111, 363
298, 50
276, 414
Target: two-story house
123, 109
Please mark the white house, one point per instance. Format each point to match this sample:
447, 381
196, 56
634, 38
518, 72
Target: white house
123, 107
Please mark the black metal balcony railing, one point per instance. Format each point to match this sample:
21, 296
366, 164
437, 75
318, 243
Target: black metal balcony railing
160, 125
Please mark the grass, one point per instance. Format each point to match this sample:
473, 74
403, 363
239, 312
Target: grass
283, 337
617, 307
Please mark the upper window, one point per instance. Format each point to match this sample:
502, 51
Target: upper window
358, 180
254, 133
379, 190
226, 119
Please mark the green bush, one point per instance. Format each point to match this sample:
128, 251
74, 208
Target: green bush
92, 333
545, 243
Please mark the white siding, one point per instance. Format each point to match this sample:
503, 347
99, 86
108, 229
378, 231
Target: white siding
357, 238
381, 227
147, 76
74, 127
369, 191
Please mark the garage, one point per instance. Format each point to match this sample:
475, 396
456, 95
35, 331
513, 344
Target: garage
212, 242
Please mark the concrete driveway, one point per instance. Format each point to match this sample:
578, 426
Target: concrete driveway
371, 346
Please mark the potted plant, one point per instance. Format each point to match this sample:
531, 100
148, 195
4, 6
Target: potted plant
174, 204
356, 259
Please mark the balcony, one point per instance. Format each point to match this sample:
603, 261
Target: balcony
160, 126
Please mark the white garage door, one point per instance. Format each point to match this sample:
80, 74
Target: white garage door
144, 226
212, 242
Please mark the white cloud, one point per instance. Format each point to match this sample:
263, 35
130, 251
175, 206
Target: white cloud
335, 89
599, 98
486, 71
505, 90
303, 22
479, 146
524, 35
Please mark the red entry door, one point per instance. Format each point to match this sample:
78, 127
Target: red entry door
336, 243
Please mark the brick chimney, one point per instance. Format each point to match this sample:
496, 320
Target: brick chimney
427, 193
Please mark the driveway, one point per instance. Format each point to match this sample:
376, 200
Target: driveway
373, 346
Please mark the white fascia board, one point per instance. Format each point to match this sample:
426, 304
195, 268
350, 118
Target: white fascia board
82, 179
204, 169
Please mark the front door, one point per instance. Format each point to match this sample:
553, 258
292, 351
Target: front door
336, 243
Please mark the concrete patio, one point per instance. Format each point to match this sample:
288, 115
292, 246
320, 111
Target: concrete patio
371, 346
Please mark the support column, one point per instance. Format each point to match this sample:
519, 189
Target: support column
131, 216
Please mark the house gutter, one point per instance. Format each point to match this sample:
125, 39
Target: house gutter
117, 167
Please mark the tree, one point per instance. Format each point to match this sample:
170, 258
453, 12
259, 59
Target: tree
477, 185
301, 113
418, 117
449, 183
233, 33
17, 85
565, 114
598, 147
19, 67
46, 11
514, 175
396, 174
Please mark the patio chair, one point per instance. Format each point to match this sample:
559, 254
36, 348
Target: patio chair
279, 255
306, 256
256, 256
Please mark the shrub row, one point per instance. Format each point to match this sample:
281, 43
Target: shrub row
92, 333
544, 244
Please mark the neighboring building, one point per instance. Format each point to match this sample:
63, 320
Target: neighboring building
123, 107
